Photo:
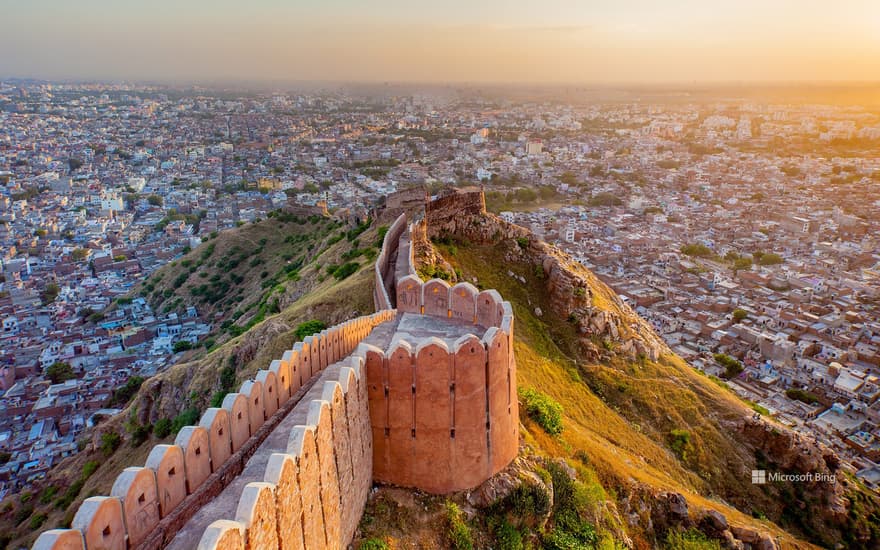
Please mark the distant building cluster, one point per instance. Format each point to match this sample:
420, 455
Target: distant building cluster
736, 228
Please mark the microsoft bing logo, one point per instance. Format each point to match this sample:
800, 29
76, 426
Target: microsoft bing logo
759, 477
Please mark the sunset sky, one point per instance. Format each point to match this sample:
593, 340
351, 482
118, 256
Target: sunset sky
534, 41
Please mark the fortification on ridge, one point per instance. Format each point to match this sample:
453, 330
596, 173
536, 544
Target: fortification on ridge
420, 394
443, 406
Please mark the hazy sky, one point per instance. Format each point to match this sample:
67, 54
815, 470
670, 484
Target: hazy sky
552, 41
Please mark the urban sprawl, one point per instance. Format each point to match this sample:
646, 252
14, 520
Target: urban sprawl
745, 232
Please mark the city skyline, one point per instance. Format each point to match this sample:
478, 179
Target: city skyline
553, 42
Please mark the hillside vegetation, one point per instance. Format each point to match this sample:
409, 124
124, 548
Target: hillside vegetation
636, 434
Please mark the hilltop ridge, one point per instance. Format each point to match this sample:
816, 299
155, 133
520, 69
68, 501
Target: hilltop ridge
648, 422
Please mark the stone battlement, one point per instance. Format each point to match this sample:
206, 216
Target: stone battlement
421, 396
148, 505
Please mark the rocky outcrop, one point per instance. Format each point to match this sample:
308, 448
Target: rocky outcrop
521, 471
605, 324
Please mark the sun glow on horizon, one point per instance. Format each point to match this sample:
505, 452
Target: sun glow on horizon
556, 41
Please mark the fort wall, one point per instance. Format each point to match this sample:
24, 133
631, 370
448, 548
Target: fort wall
384, 273
444, 418
433, 411
148, 505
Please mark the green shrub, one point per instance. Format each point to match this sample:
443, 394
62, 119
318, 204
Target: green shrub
89, 469
458, 532
188, 417
570, 504
559, 539
70, 494
123, 394
217, 399
162, 428
692, 539
545, 411
139, 434
374, 544
680, 443
508, 537
182, 345
48, 494
346, 270
732, 367
801, 395
697, 250
527, 501
308, 328
110, 442
37, 521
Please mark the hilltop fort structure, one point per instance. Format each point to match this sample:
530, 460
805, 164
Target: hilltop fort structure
420, 394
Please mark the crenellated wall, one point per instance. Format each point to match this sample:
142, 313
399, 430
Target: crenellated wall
445, 417
428, 400
384, 273
147, 505
313, 495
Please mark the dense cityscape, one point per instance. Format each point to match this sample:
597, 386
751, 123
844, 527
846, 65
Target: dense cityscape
746, 232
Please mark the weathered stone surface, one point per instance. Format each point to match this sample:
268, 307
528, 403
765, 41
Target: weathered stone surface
714, 522
271, 400
216, 422
236, 404
398, 451
303, 447
299, 368
223, 535
305, 351
283, 377
167, 462
435, 295
100, 520
283, 473
470, 453
463, 302
314, 354
489, 310
253, 390
256, 511
320, 417
432, 463
196, 455
341, 450
504, 424
136, 487
59, 539
409, 294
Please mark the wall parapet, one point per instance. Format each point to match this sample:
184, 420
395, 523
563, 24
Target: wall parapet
313, 495
444, 417
383, 273
148, 504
